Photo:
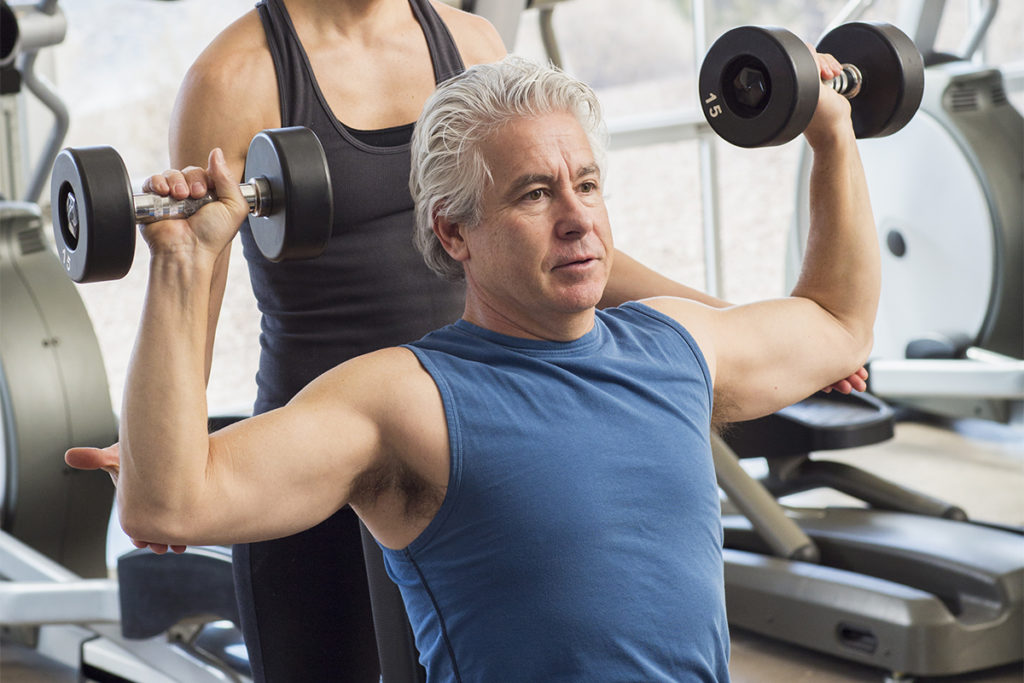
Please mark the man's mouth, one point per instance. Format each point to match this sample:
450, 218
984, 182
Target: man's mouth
576, 263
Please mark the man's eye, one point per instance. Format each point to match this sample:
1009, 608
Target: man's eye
588, 187
534, 195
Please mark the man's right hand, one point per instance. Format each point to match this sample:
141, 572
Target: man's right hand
109, 460
832, 115
211, 229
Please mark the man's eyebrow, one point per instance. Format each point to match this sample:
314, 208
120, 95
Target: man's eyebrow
524, 181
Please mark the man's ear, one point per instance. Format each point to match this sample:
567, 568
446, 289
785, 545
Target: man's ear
450, 234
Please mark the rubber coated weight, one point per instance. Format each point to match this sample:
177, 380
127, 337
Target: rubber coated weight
91, 188
298, 223
790, 79
95, 213
892, 70
760, 86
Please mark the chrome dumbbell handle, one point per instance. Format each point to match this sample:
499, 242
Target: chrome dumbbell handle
150, 208
848, 82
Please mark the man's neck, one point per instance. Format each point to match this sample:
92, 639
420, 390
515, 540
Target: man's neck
560, 327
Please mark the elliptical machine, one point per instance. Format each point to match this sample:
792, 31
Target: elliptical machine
157, 622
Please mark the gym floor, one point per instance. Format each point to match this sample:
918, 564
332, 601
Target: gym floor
978, 466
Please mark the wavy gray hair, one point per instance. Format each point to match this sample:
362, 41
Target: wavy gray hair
448, 171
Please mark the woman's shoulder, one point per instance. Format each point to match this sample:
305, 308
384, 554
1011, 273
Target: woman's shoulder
477, 39
236, 53
232, 79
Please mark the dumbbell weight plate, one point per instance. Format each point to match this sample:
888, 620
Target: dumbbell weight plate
790, 75
93, 214
892, 70
302, 204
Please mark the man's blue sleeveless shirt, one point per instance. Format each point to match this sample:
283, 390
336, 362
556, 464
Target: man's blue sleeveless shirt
580, 536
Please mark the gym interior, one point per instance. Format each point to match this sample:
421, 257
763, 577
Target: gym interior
872, 537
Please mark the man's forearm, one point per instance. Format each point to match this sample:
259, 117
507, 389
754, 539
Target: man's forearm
841, 270
218, 285
163, 421
197, 126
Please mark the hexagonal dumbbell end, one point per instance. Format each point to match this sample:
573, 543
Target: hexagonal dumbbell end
750, 87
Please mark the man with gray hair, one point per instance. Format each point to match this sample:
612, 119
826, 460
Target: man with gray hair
538, 473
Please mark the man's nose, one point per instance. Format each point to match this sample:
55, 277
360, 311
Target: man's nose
575, 218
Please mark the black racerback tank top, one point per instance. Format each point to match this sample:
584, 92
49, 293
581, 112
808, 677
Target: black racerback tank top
370, 289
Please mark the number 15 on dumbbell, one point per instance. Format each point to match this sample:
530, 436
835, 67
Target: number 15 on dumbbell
291, 206
759, 86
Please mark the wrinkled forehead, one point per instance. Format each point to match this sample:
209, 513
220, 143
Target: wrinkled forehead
550, 144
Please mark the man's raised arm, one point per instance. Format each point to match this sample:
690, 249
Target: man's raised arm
767, 355
179, 485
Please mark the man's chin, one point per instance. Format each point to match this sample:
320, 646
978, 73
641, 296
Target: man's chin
581, 298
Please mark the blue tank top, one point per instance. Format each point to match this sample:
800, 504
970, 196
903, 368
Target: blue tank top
370, 289
580, 536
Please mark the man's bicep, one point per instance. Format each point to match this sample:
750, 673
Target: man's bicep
772, 354
288, 469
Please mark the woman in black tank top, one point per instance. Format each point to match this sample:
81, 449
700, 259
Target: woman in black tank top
304, 600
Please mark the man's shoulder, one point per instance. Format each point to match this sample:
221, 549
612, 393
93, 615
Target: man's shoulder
667, 323
659, 311
370, 383
692, 316
394, 364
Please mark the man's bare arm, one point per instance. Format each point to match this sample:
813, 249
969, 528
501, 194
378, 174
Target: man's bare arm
767, 355
227, 96
179, 485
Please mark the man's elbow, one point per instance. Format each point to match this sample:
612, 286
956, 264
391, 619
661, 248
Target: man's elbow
152, 522
852, 334
852, 352
862, 342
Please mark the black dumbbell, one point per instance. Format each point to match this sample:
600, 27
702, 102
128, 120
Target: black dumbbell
759, 86
291, 205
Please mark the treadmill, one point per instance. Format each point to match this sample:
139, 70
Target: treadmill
907, 583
